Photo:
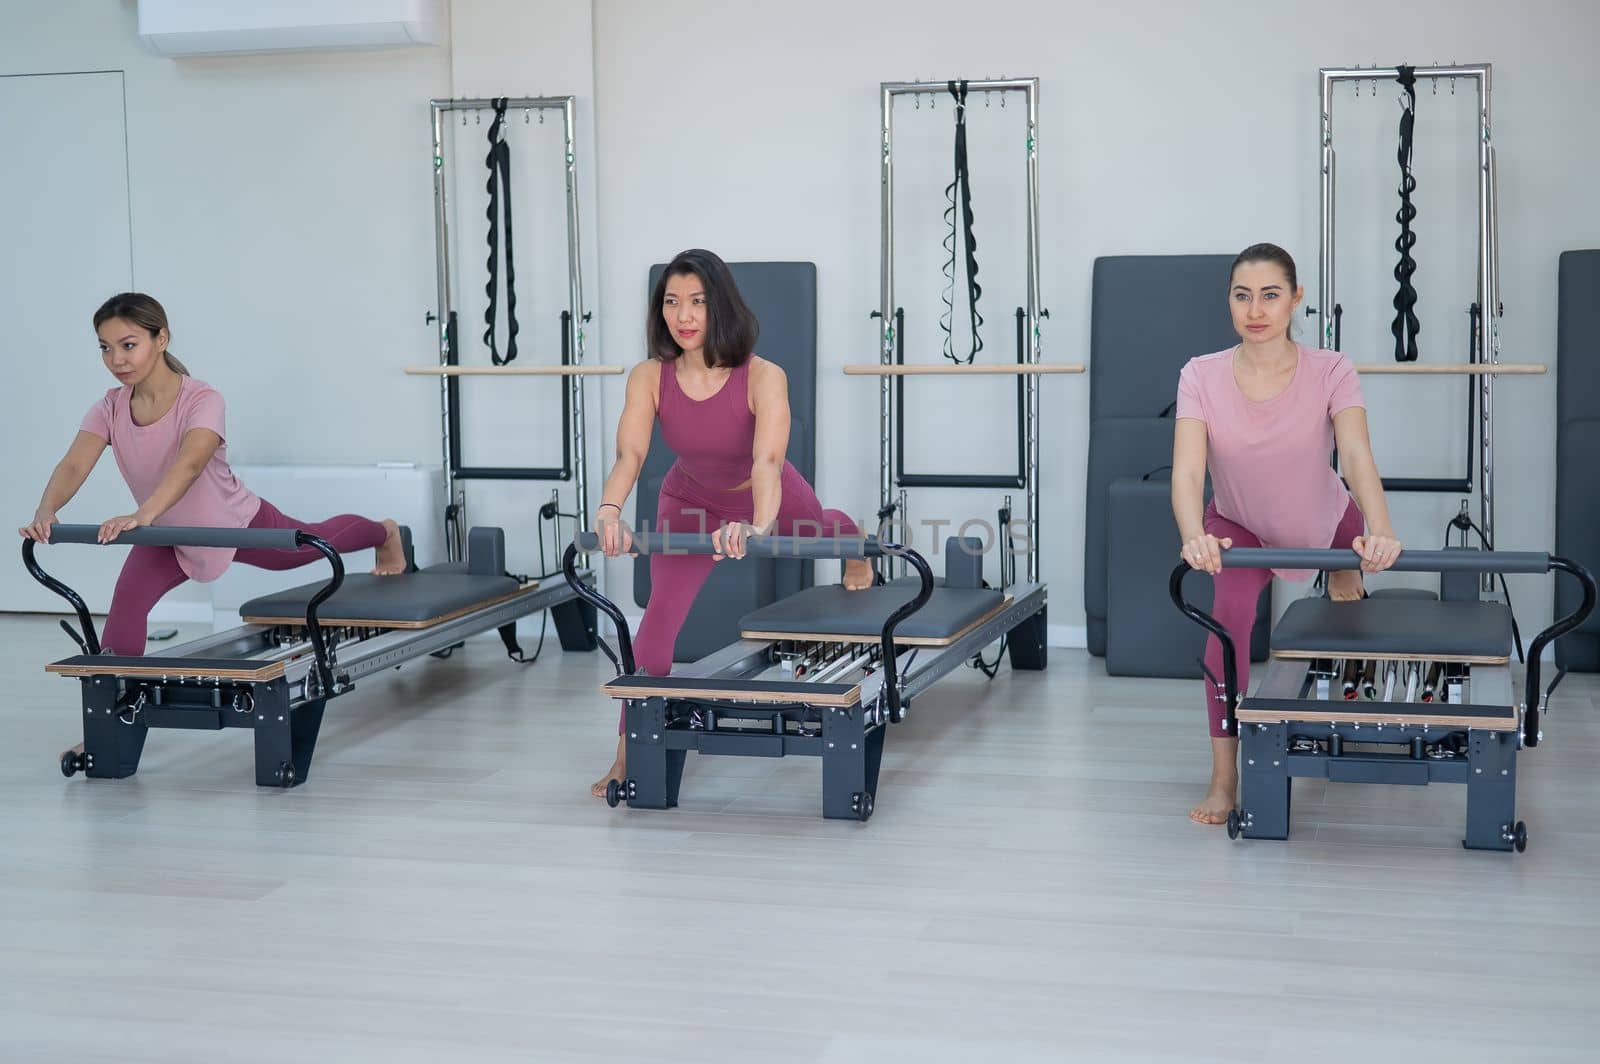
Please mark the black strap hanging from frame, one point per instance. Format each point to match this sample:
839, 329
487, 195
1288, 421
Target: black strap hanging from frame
499, 189
1406, 326
959, 194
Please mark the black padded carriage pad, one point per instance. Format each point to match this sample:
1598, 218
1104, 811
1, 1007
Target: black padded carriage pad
1387, 627
831, 611
407, 600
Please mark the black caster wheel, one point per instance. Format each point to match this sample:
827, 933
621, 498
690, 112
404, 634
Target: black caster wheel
619, 791
72, 763
861, 804
285, 775
1234, 824
1519, 836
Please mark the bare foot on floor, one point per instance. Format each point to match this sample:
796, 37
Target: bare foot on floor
857, 574
618, 771
391, 560
1344, 585
1216, 805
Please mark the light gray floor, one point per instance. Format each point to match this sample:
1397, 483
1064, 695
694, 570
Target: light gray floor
444, 889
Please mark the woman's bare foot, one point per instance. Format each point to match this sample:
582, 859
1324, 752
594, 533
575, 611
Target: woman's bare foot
1223, 796
857, 574
1219, 801
391, 560
1344, 585
619, 769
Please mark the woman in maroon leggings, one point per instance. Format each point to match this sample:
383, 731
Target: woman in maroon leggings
1265, 415
724, 412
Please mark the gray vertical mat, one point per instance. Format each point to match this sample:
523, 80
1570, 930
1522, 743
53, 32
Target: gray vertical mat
1146, 635
1577, 443
783, 296
1151, 314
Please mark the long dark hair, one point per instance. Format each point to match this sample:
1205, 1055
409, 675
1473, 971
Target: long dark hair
145, 312
731, 329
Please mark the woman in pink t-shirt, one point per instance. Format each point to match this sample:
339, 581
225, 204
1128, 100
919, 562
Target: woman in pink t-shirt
166, 431
1264, 416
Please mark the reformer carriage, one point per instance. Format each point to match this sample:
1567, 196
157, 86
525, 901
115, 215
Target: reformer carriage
822, 673
297, 648
1390, 689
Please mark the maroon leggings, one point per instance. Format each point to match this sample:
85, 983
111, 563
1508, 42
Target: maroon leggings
1234, 603
675, 579
150, 572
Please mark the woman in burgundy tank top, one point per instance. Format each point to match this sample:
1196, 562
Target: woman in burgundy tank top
725, 413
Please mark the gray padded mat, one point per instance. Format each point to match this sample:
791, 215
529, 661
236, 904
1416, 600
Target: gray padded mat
408, 599
1577, 442
1151, 314
1118, 447
783, 297
1395, 626
1145, 635
832, 610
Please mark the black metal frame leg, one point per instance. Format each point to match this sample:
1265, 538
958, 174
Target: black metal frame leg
852, 752
1265, 786
654, 771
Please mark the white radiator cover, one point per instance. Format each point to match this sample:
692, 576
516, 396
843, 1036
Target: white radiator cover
412, 495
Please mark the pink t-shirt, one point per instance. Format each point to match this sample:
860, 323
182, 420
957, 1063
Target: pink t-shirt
144, 453
1270, 461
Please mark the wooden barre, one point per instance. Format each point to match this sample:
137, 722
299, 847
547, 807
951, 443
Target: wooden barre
1011, 369
1471, 369
514, 371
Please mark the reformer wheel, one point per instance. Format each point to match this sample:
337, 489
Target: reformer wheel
1519, 836
620, 791
72, 763
861, 805
285, 775
1234, 824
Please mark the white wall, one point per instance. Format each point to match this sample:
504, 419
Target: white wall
1166, 127
281, 206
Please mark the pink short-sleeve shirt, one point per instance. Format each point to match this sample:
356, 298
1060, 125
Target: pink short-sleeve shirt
144, 453
1270, 460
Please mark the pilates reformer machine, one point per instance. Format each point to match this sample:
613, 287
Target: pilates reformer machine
1026, 643
822, 673
297, 649
1393, 690
1485, 311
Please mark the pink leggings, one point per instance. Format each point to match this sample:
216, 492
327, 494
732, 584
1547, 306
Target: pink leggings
150, 572
1234, 604
675, 579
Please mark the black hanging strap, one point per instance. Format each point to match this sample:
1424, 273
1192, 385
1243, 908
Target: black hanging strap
499, 189
1406, 327
959, 194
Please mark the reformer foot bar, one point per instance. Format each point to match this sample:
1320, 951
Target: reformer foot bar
1445, 710
821, 674
275, 673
